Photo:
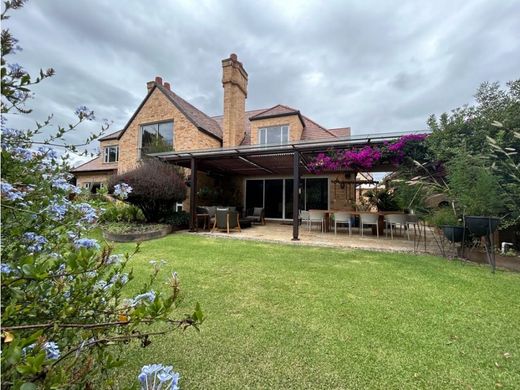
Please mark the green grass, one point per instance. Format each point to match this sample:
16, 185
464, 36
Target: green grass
296, 317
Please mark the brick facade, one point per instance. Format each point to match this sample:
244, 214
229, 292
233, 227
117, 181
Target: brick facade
159, 108
293, 121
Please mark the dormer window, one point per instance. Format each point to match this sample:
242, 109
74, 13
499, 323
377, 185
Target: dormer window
111, 154
157, 137
274, 135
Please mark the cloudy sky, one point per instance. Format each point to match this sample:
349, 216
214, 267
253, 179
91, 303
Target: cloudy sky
376, 66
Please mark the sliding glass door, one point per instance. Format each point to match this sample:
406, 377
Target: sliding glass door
276, 195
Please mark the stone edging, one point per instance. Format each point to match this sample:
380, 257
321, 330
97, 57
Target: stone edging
135, 237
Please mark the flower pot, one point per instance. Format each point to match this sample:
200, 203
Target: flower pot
481, 226
453, 233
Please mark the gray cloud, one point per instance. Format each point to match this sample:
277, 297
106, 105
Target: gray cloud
374, 65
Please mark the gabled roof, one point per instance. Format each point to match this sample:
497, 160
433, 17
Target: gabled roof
202, 121
95, 165
276, 111
108, 137
340, 131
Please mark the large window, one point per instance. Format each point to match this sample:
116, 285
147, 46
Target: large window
276, 135
111, 154
157, 137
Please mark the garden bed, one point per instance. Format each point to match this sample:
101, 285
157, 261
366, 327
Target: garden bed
124, 232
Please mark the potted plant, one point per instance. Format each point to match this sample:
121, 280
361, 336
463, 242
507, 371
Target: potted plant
446, 220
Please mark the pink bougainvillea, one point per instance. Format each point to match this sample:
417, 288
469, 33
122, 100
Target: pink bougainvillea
365, 158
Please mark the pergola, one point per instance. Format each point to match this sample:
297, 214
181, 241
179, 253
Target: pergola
258, 160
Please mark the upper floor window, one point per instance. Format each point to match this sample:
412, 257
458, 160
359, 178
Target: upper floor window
157, 137
275, 135
111, 154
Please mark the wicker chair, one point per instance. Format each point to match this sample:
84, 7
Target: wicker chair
226, 220
258, 216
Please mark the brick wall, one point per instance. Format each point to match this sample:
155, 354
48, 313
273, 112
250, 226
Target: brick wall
91, 177
159, 108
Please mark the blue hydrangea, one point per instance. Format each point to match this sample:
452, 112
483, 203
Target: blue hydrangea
89, 212
35, 242
84, 113
122, 190
86, 243
157, 376
11, 193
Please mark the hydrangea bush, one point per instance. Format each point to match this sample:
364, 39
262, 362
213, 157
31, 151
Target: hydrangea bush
62, 303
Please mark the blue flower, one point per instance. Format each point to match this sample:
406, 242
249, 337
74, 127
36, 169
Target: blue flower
157, 376
9, 192
86, 243
35, 242
58, 211
23, 153
150, 296
52, 351
5, 268
114, 259
122, 190
48, 152
63, 184
89, 212
121, 278
84, 113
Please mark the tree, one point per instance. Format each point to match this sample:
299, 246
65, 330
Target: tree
62, 293
156, 187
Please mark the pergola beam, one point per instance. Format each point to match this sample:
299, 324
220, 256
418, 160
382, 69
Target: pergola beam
296, 195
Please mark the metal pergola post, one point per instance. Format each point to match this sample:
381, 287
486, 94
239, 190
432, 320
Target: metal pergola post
296, 195
193, 196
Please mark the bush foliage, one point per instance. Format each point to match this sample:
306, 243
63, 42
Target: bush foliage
156, 187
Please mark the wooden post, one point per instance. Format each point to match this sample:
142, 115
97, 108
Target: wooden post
296, 195
193, 196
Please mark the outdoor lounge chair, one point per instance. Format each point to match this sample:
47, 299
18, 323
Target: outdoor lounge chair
258, 215
226, 220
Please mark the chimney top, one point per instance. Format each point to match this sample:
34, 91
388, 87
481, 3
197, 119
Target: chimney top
233, 56
167, 85
158, 80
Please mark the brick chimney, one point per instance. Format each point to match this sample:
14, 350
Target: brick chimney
234, 81
151, 84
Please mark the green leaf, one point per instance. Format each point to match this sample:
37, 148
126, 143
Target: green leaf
28, 386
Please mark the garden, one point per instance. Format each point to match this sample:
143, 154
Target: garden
80, 311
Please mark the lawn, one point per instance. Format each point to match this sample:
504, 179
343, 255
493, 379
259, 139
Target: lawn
295, 317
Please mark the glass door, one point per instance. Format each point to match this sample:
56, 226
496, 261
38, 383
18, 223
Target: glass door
274, 198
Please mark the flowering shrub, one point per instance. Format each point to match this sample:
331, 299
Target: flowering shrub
367, 157
62, 302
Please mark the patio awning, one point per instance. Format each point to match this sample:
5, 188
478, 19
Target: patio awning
257, 160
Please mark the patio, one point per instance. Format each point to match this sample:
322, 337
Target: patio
275, 231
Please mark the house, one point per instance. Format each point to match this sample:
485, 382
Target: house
165, 125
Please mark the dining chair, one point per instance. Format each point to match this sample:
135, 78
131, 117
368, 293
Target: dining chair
413, 220
395, 220
304, 217
316, 216
369, 219
342, 218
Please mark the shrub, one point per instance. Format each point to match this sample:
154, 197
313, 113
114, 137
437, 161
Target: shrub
156, 187
62, 310
179, 219
444, 216
121, 212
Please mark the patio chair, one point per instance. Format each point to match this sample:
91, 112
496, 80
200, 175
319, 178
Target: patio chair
226, 220
413, 220
369, 219
342, 218
304, 217
393, 221
258, 215
316, 216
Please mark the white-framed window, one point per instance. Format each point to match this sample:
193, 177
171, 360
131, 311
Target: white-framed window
157, 137
178, 206
86, 185
274, 135
111, 154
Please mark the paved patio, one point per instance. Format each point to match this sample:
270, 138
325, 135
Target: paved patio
279, 232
